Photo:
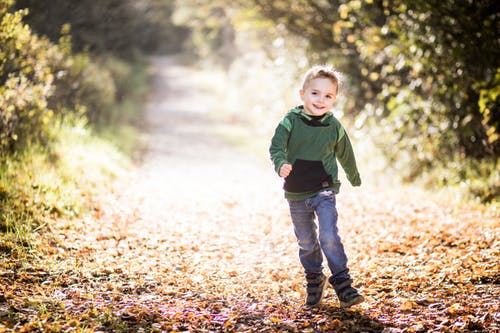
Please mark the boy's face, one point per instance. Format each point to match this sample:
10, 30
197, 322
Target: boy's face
318, 96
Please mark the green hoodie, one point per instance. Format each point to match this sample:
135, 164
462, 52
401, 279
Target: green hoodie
312, 146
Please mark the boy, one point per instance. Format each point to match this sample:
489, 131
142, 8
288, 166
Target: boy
304, 150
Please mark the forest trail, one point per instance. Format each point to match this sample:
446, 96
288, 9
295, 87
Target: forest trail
198, 239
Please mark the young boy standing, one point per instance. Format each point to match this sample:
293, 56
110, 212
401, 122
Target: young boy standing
304, 150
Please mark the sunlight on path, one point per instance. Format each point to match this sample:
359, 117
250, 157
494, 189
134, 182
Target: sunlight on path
187, 162
196, 192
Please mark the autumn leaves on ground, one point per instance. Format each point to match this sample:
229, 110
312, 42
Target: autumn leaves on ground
197, 238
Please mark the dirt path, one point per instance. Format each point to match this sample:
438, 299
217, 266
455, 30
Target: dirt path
201, 198
198, 239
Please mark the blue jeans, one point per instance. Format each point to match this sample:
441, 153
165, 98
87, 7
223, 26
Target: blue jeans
310, 245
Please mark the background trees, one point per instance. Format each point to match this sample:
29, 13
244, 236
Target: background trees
424, 77
113, 26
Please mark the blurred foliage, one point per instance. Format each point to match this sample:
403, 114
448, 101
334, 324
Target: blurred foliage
423, 77
109, 26
212, 35
26, 81
41, 78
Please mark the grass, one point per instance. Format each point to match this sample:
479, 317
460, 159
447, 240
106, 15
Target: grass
39, 185
42, 183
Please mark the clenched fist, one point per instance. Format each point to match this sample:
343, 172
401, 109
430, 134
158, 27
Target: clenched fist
285, 170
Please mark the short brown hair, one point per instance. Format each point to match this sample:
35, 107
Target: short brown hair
323, 71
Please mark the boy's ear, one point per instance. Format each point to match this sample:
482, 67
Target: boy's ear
301, 93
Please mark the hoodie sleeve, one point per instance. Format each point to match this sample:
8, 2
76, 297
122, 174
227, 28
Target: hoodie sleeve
345, 155
279, 144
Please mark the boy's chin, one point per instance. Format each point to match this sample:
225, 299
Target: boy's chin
316, 112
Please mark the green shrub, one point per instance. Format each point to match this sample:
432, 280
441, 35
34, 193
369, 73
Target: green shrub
26, 81
39, 79
83, 85
38, 186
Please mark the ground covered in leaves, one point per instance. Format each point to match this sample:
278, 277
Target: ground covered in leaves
198, 239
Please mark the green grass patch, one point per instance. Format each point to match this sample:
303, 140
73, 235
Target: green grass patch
39, 185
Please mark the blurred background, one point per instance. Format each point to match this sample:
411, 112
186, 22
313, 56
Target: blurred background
420, 97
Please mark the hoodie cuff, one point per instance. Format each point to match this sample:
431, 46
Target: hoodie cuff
356, 180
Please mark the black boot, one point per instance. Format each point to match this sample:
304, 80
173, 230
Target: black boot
347, 294
315, 287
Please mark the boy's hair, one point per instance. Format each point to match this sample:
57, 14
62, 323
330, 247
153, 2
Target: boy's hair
323, 71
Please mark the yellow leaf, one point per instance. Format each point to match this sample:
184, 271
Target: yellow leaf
455, 308
408, 305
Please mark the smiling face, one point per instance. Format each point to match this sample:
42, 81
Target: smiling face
318, 96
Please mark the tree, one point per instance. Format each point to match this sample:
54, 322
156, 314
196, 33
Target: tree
115, 26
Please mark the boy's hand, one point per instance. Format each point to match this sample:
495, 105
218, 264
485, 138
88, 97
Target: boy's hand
285, 170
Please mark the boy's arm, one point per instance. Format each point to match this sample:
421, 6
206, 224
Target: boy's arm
279, 142
345, 156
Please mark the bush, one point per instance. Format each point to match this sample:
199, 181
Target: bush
84, 86
26, 82
39, 79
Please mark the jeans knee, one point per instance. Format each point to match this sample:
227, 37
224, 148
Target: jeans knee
331, 242
308, 245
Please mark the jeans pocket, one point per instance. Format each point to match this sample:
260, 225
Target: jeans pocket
327, 193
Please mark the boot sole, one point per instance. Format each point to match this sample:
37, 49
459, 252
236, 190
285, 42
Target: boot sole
354, 301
